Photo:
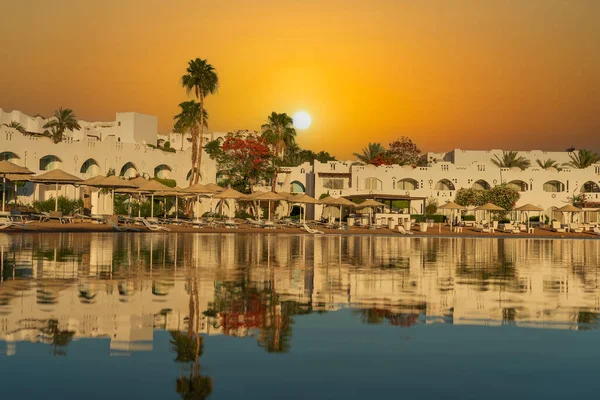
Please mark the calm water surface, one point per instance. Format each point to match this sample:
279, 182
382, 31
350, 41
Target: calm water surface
193, 316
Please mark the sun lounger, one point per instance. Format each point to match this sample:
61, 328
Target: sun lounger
509, 228
230, 223
255, 223
154, 227
575, 228
10, 224
120, 228
310, 230
404, 231
481, 228
596, 231
557, 228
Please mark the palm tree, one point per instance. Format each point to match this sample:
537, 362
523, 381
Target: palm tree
511, 159
548, 163
369, 153
279, 131
62, 120
187, 120
201, 79
16, 125
582, 159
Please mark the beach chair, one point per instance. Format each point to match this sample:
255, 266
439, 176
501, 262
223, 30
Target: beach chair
255, 223
509, 228
575, 228
154, 227
404, 231
120, 228
481, 228
596, 231
557, 228
11, 224
310, 230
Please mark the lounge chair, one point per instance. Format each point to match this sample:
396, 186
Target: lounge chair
310, 230
154, 227
509, 228
557, 228
575, 228
481, 228
596, 231
230, 223
404, 231
11, 224
255, 223
120, 228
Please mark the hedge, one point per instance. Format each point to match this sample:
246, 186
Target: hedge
65, 205
423, 218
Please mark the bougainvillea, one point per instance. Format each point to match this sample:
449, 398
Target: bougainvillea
244, 159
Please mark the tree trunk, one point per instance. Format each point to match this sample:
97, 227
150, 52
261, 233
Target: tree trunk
201, 139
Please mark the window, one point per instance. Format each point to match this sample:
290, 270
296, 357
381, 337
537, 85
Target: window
519, 186
373, 184
554, 187
407, 184
444, 184
333, 183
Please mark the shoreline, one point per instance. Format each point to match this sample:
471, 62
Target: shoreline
55, 227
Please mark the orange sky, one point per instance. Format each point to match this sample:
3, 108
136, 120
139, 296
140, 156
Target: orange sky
467, 74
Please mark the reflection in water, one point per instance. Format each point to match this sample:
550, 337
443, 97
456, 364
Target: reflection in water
61, 287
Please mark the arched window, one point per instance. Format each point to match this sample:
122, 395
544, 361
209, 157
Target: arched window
10, 156
298, 187
373, 184
407, 184
50, 162
554, 187
129, 170
163, 171
444, 184
519, 186
481, 185
590, 187
90, 167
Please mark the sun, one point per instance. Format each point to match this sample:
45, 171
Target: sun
302, 120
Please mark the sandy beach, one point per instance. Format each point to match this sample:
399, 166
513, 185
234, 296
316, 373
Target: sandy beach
84, 227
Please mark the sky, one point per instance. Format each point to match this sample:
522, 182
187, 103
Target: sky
469, 74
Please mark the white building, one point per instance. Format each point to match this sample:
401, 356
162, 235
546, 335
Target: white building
126, 145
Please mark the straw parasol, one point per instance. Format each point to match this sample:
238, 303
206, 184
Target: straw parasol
488, 208
341, 202
527, 208
176, 192
451, 206
305, 199
570, 208
153, 187
228, 194
214, 187
370, 204
269, 197
109, 182
6, 168
57, 176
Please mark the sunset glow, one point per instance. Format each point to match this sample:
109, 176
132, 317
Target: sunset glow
489, 74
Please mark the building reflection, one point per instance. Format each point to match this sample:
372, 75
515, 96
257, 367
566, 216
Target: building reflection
61, 287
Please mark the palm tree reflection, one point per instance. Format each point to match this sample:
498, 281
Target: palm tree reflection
188, 348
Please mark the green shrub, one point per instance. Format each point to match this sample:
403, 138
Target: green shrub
468, 218
167, 182
423, 218
65, 205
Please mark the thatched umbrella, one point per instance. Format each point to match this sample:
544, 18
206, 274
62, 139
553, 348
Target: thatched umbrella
6, 168
489, 207
370, 204
153, 187
228, 194
57, 176
340, 201
305, 199
109, 182
451, 206
570, 208
527, 208
269, 197
176, 192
